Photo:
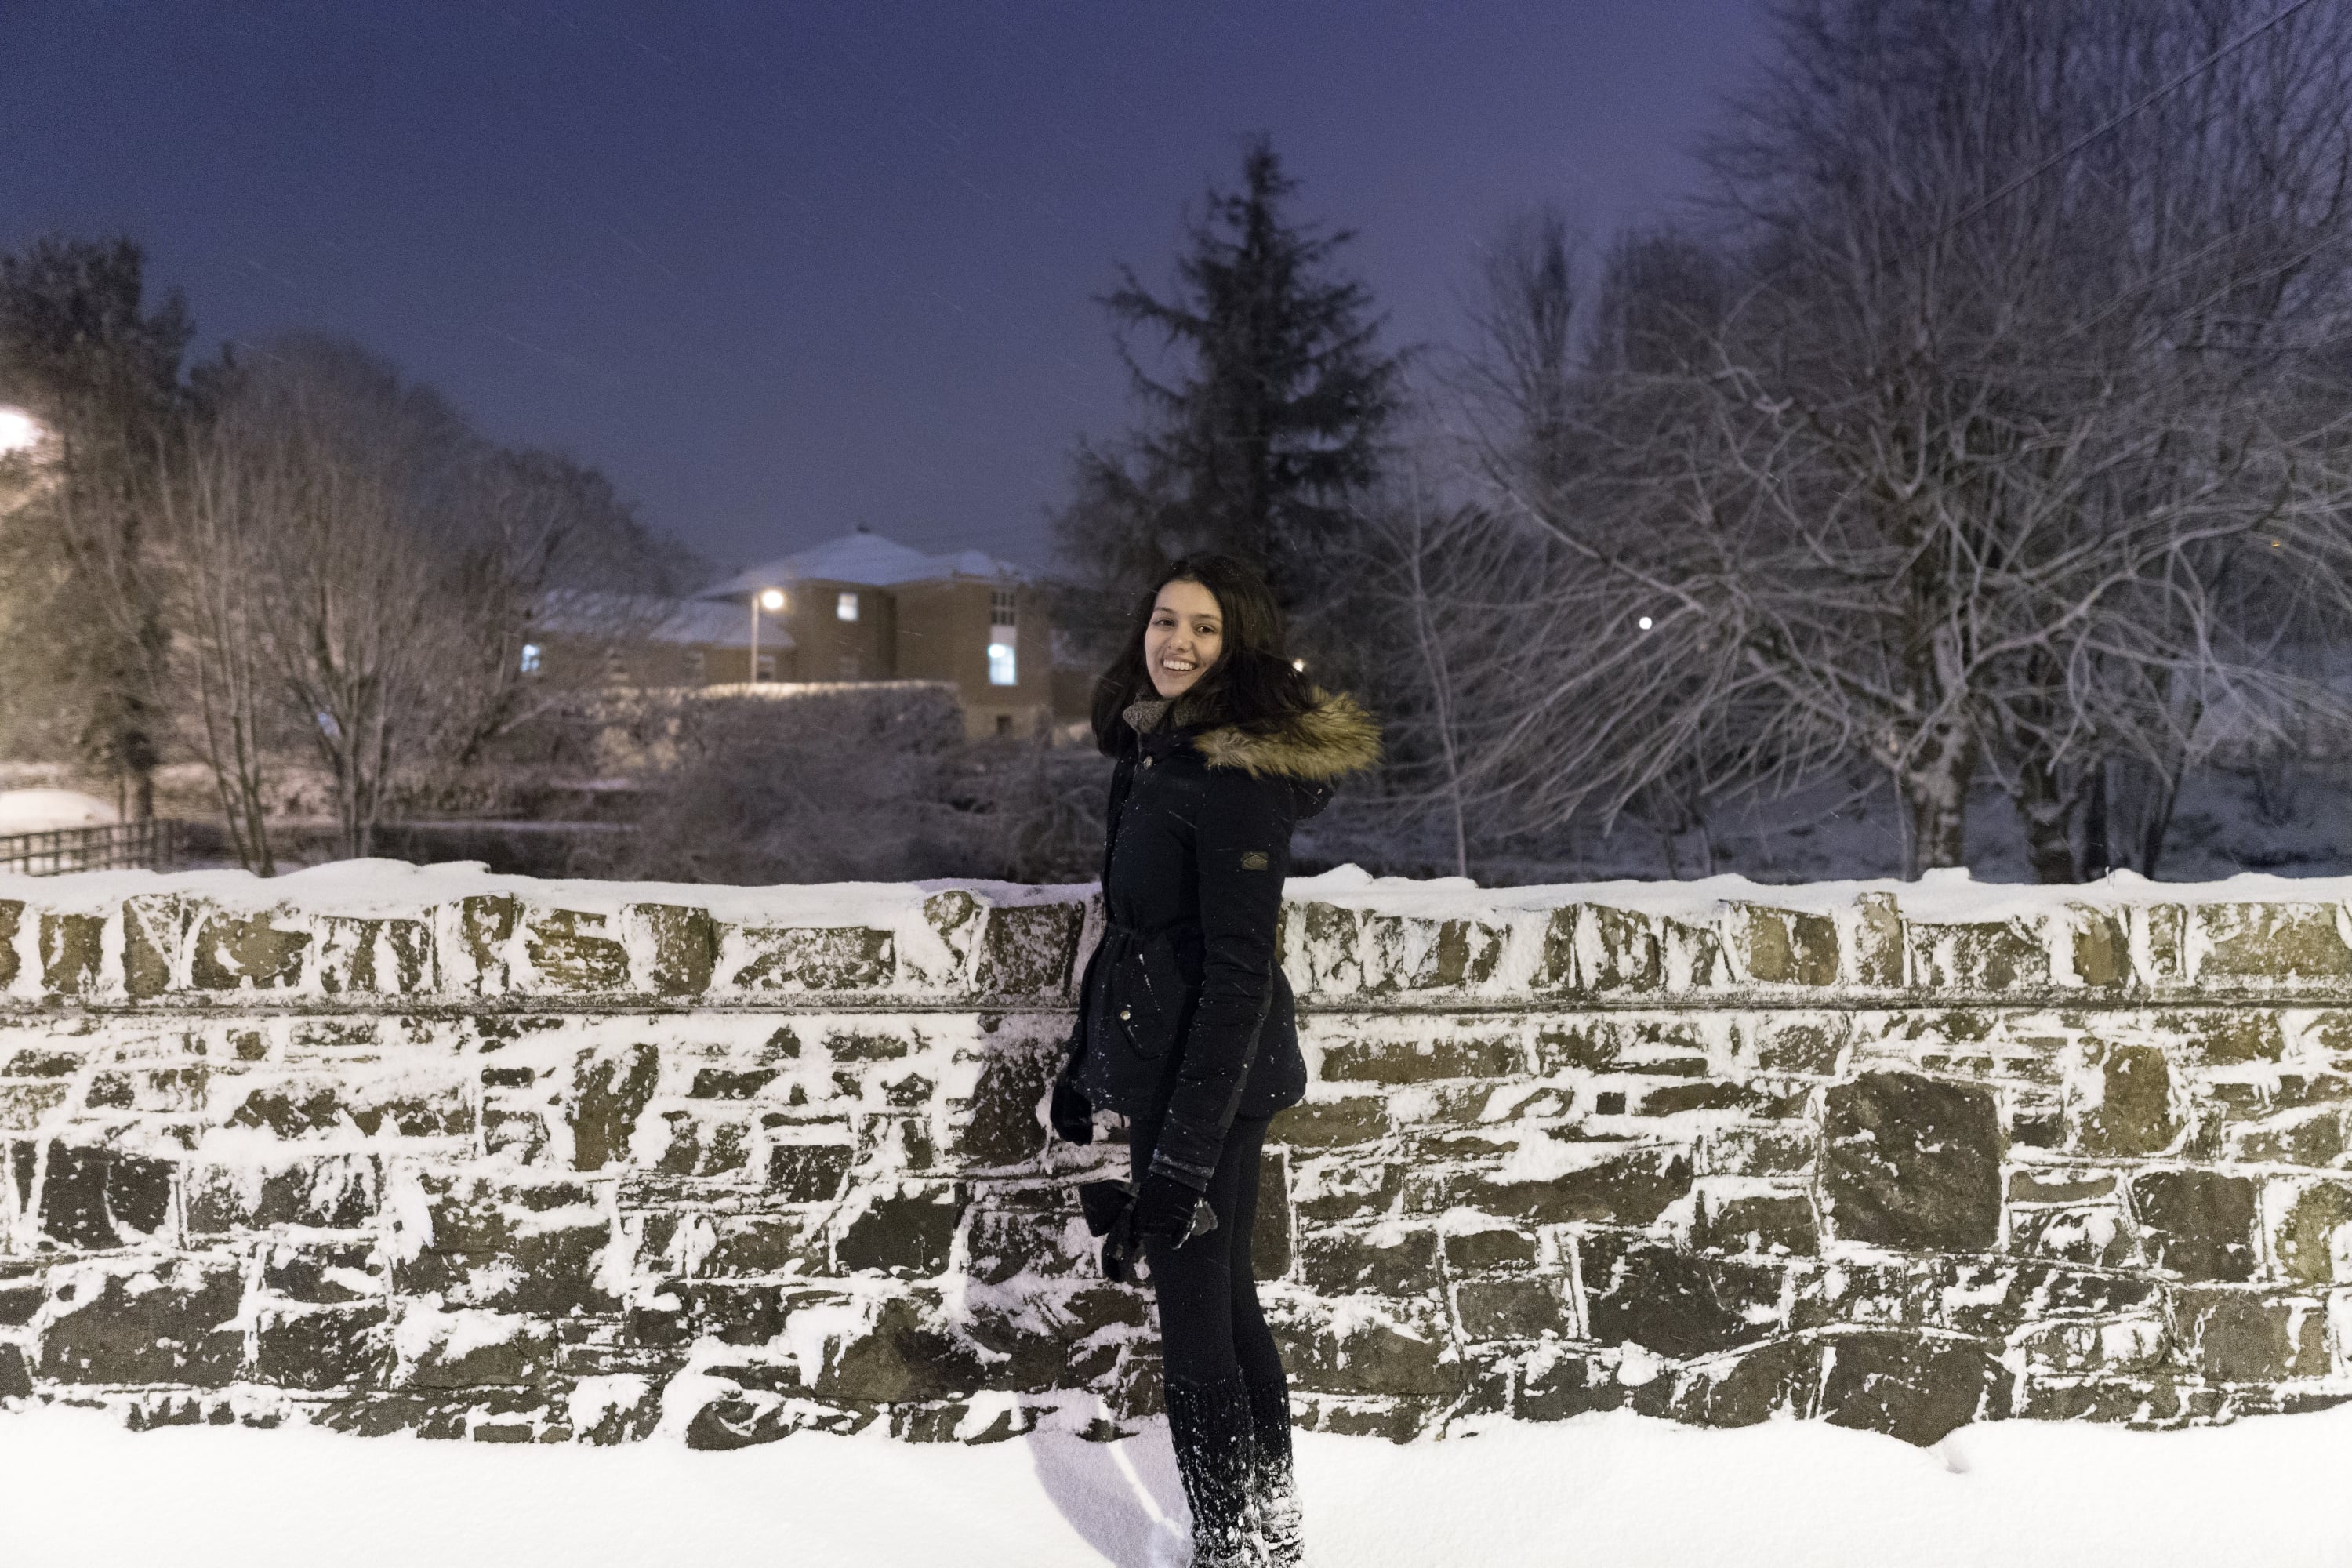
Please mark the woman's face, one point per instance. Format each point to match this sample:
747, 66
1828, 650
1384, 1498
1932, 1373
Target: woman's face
1186, 634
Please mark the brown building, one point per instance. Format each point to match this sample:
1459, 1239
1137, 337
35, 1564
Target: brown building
856, 608
863, 608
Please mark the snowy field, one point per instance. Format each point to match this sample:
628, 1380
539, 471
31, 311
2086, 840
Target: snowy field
1618, 1490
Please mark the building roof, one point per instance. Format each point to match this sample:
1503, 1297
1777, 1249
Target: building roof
867, 559
649, 618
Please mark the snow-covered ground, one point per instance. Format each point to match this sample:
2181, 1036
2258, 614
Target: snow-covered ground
1620, 1491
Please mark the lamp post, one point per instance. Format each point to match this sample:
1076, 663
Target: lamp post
765, 599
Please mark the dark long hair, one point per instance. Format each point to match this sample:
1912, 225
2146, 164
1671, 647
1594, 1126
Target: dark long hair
1252, 685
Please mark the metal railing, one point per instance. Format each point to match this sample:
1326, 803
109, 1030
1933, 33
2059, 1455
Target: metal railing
152, 845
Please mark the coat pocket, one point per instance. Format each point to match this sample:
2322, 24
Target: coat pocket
1148, 996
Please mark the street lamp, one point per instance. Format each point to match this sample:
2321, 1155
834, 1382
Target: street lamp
765, 599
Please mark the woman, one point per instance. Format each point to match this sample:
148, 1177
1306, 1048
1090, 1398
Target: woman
1185, 1024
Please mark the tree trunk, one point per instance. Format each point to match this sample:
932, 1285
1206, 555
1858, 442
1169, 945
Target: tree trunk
2098, 859
2044, 809
1935, 791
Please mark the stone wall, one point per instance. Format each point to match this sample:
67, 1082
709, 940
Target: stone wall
389, 1149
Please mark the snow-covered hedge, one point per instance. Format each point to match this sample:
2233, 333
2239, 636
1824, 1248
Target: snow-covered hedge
392, 1149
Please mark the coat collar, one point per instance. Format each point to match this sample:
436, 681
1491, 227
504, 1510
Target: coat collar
1332, 739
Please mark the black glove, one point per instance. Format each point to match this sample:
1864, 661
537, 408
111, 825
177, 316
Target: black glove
1168, 1210
1072, 1118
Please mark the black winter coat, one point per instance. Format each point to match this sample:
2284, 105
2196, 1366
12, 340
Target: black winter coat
1184, 1015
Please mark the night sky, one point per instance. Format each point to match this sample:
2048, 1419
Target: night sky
784, 269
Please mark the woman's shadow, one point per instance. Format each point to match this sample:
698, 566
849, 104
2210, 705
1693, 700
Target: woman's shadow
1122, 1497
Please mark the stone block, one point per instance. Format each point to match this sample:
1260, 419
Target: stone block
905, 1354
23, 1105
318, 1348
1027, 950
1771, 1223
2060, 1184
1673, 1302
2140, 1343
1911, 1163
1694, 959
704, 1146
2121, 1101
906, 1230
1496, 1245
1813, 1045
1594, 949
248, 953
2198, 1223
1779, 1378
1370, 1347
15, 1373
154, 926
1878, 955
1916, 1387
1630, 1188
748, 1417
1403, 954
610, 1092
93, 1196
2313, 1239
1010, 1241
2102, 950
2096, 1235
73, 952
813, 958
1001, 1124
324, 1272
1522, 1307
683, 943
571, 951
2228, 1036
1753, 1150
2246, 1336
1394, 1061
471, 1348
2307, 1135
761, 1244
151, 1322
1557, 1385
1995, 1297
1332, 1123
1388, 1260
1996, 955
1783, 947
382, 957
2272, 942
12, 921
808, 1172
485, 925
331, 1192
1322, 948
1270, 1243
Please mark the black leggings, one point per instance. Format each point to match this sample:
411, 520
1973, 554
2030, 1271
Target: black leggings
1211, 1327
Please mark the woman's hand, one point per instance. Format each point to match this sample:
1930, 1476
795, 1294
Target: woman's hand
1168, 1210
1070, 1114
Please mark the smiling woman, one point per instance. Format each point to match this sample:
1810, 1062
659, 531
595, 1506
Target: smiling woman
1185, 1020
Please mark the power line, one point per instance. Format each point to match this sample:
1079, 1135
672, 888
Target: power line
2102, 129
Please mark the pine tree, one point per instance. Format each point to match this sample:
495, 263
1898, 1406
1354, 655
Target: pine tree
1271, 425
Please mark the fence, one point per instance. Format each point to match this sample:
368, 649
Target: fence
152, 845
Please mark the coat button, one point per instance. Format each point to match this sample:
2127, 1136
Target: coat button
1146, 762
1123, 1014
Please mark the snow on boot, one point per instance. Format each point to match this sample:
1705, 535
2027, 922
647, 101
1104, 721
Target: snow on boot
1211, 1427
1272, 1518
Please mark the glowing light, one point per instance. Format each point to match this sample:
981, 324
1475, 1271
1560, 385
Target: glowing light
18, 430
1644, 622
771, 598
1299, 665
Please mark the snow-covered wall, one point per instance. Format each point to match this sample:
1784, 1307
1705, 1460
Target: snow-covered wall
391, 1149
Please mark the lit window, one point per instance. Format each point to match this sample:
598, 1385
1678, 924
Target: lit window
767, 668
1004, 723
1000, 665
846, 608
695, 667
530, 659
1000, 603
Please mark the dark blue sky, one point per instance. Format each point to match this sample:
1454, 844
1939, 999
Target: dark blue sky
780, 268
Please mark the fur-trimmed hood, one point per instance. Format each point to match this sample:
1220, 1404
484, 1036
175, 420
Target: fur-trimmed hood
1330, 740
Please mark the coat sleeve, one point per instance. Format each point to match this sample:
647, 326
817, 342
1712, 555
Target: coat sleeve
1074, 1049
1241, 853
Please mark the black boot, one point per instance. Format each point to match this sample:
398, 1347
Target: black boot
1272, 1516
1211, 1426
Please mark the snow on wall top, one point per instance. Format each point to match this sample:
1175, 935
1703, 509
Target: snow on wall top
455, 932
